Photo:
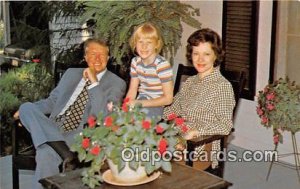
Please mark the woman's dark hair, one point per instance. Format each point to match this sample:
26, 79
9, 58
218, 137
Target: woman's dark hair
202, 36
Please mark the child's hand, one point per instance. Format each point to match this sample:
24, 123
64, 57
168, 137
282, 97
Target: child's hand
132, 102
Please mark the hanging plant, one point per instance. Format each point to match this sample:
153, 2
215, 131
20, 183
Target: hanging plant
115, 22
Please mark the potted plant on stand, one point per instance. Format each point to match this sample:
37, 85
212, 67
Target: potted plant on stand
134, 145
279, 109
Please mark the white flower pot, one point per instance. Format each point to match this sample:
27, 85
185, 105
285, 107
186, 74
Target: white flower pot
127, 175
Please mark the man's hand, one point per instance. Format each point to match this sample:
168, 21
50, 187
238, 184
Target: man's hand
90, 74
16, 115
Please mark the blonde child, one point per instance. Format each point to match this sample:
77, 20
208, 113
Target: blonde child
151, 81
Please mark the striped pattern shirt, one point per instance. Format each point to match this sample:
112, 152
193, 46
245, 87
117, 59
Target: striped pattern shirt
206, 105
151, 76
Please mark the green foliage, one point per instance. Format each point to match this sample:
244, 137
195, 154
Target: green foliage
30, 82
279, 107
8, 99
115, 22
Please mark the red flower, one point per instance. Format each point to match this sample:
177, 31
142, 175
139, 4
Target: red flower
259, 111
85, 143
91, 121
108, 121
95, 150
162, 146
270, 106
172, 116
159, 129
36, 60
184, 128
124, 107
270, 96
264, 119
126, 100
276, 139
179, 121
146, 124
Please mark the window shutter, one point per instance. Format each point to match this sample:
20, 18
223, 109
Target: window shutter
239, 37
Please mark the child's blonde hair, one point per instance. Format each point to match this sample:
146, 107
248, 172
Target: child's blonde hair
146, 30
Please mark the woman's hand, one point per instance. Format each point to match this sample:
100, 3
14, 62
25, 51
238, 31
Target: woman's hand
191, 134
180, 147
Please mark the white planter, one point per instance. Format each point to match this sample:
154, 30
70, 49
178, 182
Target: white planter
127, 175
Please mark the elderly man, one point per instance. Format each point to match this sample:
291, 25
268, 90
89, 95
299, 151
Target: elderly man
80, 93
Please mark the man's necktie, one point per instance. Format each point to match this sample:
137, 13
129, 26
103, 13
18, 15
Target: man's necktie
73, 115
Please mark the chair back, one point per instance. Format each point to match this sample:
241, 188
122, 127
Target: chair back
183, 73
237, 80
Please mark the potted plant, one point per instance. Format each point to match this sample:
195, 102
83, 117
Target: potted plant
279, 108
129, 141
115, 21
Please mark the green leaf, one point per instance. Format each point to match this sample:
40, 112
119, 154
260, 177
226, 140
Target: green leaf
133, 165
100, 158
89, 157
81, 156
121, 165
99, 177
149, 168
150, 140
115, 153
100, 132
158, 164
170, 133
166, 166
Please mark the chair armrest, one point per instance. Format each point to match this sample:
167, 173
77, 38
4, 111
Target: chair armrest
201, 140
204, 139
